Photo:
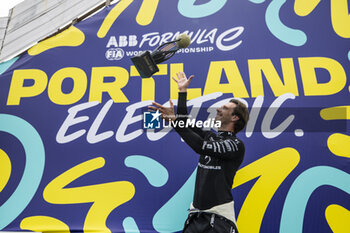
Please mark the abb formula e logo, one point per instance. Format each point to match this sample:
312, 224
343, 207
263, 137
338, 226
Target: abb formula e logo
202, 41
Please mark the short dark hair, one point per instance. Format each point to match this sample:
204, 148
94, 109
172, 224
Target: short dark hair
242, 112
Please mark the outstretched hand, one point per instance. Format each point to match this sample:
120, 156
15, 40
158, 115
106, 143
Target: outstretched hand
167, 113
182, 81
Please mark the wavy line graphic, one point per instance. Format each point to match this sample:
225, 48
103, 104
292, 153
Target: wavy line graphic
297, 198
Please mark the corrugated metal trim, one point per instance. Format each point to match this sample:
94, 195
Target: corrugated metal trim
29, 11
3, 22
3, 27
35, 20
77, 20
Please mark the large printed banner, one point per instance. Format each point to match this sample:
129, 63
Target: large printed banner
74, 155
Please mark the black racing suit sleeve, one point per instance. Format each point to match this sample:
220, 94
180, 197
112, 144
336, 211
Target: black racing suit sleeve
182, 114
227, 148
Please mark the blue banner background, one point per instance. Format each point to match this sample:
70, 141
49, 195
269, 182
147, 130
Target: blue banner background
287, 183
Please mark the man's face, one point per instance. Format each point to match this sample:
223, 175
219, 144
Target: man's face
224, 113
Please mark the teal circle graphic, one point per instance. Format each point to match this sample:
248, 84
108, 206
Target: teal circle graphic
33, 170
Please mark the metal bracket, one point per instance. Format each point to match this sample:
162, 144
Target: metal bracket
74, 21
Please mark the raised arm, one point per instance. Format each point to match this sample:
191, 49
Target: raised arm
183, 83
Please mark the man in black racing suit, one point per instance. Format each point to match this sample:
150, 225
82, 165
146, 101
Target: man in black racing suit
221, 154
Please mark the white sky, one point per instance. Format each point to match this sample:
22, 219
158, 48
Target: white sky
6, 5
